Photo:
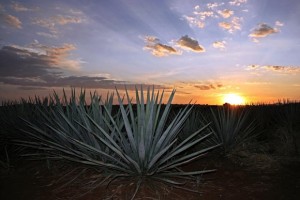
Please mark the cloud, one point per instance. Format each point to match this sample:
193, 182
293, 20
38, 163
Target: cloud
204, 14
10, 20
30, 67
220, 45
255, 40
237, 2
225, 13
252, 67
225, 25
197, 7
45, 23
203, 87
53, 22
193, 21
21, 8
48, 35
278, 23
63, 20
208, 86
263, 30
198, 17
191, 44
236, 23
232, 26
57, 20
213, 5
57, 56
284, 69
259, 83
158, 49
276, 68
36, 58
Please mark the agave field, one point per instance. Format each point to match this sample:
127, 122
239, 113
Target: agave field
85, 146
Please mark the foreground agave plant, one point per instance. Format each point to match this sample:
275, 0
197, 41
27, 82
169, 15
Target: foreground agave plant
134, 142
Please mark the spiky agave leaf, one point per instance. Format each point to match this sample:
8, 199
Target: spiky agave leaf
195, 121
154, 145
136, 142
233, 126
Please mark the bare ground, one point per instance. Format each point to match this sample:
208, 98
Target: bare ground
232, 181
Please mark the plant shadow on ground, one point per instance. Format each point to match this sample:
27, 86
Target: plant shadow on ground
33, 180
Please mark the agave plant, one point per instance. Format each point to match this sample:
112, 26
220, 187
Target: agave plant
287, 120
134, 142
196, 120
232, 126
11, 113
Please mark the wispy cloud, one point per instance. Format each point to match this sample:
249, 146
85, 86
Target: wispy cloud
213, 5
233, 25
190, 44
203, 14
158, 49
283, 69
212, 12
208, 86
278, 23
252, 67
199, 16
220, 45
48, 35
53, 23
237, 2
194, 21
18, 7
10, 20
63, 20
276, 68
258, 83
225, 25
57, 20
226, 13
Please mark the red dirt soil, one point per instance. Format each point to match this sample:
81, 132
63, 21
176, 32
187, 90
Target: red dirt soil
33, 181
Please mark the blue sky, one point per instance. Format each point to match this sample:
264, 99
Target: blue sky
204, 49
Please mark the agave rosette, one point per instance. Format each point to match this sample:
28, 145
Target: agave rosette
136, 141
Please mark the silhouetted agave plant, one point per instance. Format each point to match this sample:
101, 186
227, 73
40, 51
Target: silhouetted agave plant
194, 122
232, 126
134, 142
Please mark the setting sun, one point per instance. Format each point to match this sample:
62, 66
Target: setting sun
233, 99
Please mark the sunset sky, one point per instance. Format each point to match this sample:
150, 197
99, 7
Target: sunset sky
204, 49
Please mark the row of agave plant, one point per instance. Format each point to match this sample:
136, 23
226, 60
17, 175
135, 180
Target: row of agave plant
139, 140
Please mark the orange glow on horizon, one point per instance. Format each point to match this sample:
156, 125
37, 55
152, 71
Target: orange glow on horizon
233, 99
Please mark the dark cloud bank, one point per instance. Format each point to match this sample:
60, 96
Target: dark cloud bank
32, 69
